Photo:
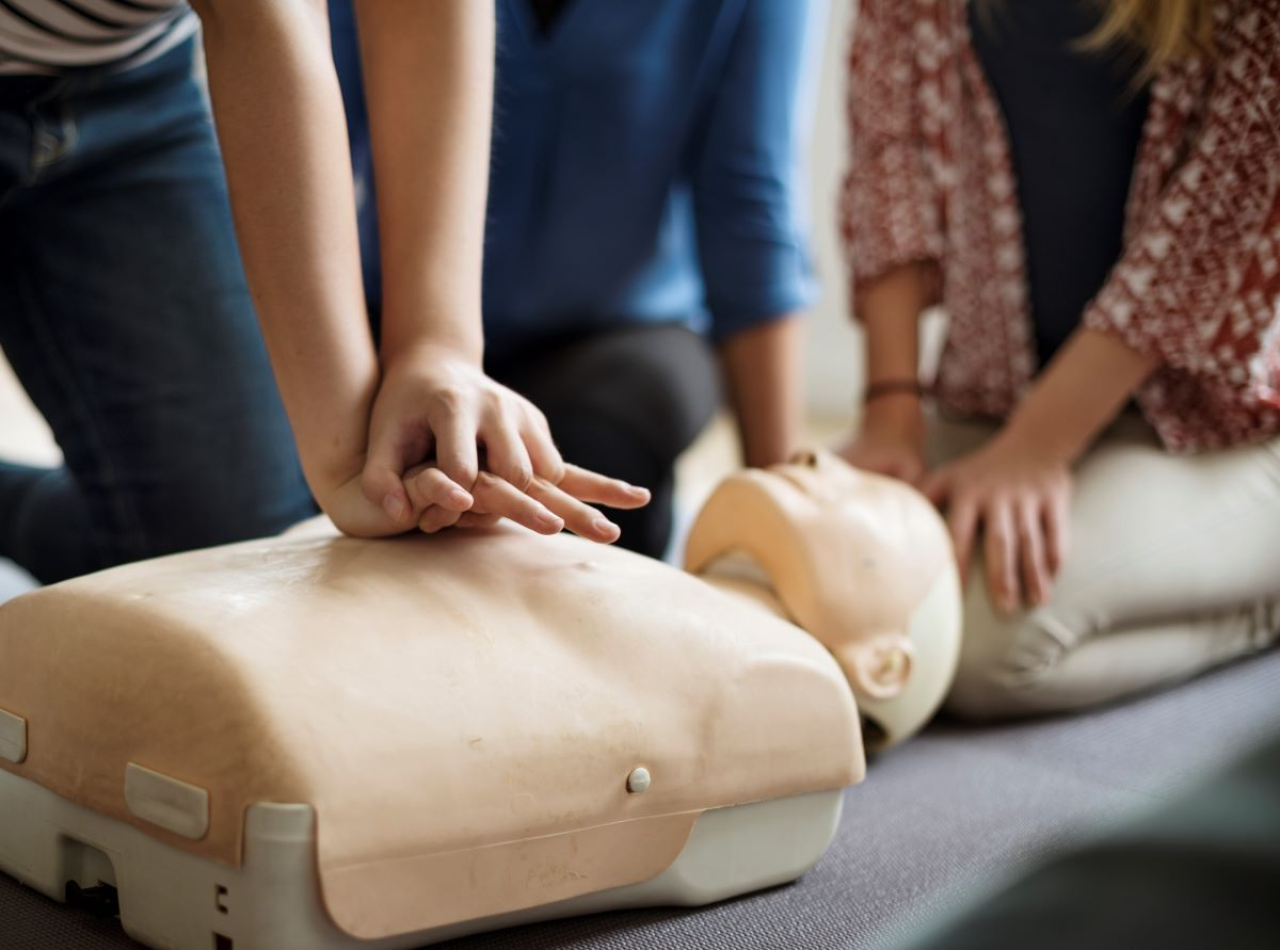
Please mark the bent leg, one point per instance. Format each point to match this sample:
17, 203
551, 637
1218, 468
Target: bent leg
1027, 665
1174, 568
127, 319
44, 523
625, 403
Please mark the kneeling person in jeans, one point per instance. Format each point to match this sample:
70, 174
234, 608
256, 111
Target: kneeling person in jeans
123, 304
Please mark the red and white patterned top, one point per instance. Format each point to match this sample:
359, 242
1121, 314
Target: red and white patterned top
1198, 283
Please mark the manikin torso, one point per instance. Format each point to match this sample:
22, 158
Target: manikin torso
459, 708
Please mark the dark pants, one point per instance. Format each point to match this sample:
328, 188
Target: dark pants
124, 312
625, 402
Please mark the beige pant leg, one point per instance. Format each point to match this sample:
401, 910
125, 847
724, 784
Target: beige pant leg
1174, 567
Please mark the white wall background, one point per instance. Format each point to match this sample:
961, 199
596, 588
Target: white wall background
833, 363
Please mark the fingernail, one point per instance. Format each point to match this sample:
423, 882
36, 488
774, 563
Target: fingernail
603, 524
460, 498
394, 506
550, 522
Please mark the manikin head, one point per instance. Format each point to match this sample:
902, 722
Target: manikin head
860, 561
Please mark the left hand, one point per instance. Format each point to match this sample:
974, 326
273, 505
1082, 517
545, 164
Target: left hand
1020, 496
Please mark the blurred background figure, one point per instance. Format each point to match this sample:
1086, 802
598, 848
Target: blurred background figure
1090, 191
645, 200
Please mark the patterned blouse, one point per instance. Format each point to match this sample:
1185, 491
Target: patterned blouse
1198, 284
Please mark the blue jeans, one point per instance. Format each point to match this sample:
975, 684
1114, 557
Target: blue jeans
125, 314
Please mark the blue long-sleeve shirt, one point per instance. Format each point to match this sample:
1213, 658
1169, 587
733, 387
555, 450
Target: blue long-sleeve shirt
646, 165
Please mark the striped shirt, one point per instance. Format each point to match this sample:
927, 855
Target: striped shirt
48, 36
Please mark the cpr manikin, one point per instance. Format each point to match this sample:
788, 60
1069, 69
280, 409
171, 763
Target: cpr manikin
857, 560
320, 742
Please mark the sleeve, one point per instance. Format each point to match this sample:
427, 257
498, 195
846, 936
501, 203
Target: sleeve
1198, 282
890, 211
748, 189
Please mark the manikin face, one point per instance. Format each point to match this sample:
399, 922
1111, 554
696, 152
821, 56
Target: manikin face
852, 556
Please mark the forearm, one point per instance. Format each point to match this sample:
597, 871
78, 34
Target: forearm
762, 375
283, 136
889, 311
1081, 391
429, 85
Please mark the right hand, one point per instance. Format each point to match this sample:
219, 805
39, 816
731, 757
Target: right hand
543, 506
891, 439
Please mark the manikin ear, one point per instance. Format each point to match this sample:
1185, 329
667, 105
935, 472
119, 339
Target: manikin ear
879, 666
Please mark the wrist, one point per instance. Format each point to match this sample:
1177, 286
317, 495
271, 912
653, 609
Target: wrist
431, 348
1051, 440
895, 418
896, 406
439, 327
880, 389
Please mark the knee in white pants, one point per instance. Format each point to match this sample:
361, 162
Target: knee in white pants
1005, 662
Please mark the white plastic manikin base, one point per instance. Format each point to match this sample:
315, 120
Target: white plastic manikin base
172, 900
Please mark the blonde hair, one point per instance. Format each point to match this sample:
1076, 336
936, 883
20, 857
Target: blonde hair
1163, 30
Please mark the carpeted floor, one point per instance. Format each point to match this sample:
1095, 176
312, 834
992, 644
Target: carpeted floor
936, 822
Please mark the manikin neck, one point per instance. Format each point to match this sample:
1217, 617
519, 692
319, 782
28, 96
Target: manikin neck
743, 579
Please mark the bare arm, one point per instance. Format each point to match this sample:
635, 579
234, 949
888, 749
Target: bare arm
361, 427
283, 137
1079, 393
890, 309
762, 373
746, 196
428, 71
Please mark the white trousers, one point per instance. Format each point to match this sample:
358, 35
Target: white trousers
1173, 568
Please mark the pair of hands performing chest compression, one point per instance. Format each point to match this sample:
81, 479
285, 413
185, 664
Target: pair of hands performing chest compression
1013, 494
411, 434
450, 447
